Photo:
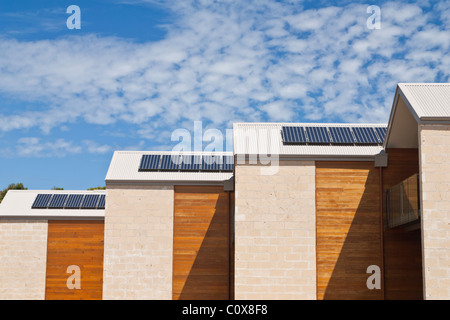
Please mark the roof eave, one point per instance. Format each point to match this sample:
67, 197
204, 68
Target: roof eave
165, 183
313, 157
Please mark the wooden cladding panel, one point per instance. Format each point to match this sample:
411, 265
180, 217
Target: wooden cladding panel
201, 244
347, 229
78, 243
402, 248
402, 163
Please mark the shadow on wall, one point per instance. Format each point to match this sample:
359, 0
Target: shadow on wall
402, 246
201, 247
348, 230
403, 264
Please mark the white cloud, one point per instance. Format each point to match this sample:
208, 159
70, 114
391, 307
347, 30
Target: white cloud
32, 146
95, 148
278, 111
40, 148
227, 60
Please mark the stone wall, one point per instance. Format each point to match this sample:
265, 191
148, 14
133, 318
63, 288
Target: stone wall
23, 252
138, 243
275, 256
435, 185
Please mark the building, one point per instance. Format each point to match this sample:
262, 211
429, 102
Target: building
296, 211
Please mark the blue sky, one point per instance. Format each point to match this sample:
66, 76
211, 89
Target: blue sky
138, 70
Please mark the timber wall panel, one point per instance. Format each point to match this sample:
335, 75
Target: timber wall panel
402, 249
201, 244
77, 243
348, 230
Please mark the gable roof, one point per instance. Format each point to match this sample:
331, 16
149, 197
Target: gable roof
427, 101
414, 104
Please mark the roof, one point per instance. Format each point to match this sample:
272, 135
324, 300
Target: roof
414, 104
17, 203
266, 139
427, 101
125, 165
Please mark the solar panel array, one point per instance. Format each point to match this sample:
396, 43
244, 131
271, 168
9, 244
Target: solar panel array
69, 201
187, 163
333, 135
191, 163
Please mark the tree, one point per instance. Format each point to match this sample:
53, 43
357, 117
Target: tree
12, 186
57, 188
97, 188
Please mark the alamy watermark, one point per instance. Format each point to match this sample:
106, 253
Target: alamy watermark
374, 21
374, 280
253, 145
74, 21
74, 280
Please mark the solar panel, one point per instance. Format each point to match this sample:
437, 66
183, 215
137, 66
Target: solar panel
58, 201
170, 162
150, 162
381, 132
365, 135
186, 163
293, 135
191, 162
228, 163
341, 135
317, 135
74, 201
90, 201
101, 202
41, 201
211, 163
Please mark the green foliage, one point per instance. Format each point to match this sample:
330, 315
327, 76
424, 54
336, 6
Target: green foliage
12, 186
97, 188
57, 188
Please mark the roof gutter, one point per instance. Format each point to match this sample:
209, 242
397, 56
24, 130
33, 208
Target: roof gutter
165, 183
306, 157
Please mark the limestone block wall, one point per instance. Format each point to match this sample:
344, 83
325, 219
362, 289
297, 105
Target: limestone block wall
275, 255
434, 151
23, 252
138, 242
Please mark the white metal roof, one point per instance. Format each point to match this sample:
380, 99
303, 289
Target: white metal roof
17, 203
124, 167
429, 101
266, 139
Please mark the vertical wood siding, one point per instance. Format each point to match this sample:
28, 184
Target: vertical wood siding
201, 261
348, 230
402, 248
78, 243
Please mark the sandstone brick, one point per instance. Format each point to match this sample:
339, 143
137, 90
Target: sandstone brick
280, 219
23, 246
138, 243
435, 174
